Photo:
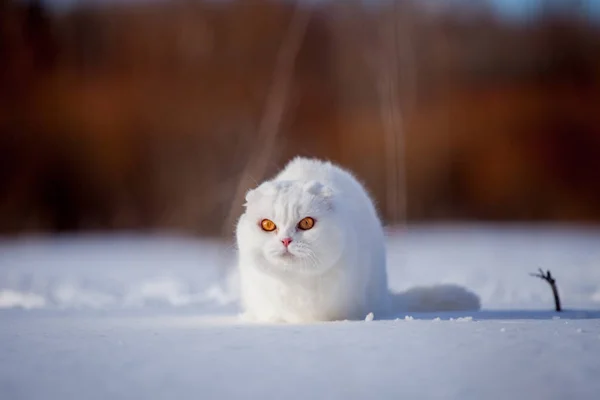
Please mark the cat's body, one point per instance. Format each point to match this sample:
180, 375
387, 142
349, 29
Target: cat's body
334, 270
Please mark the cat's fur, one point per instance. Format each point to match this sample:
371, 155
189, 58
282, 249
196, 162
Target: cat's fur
334, 271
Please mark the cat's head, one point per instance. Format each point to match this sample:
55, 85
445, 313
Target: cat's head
292, 226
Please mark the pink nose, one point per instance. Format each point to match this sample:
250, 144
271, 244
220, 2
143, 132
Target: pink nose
286, 242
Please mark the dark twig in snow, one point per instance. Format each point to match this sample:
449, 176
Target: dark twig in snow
552, 282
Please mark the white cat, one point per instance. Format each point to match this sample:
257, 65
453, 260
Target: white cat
311, 247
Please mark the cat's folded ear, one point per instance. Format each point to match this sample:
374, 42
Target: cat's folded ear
318, 189
265, 188
250, 194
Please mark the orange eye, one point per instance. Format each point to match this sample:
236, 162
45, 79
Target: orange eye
306, 224
267, 225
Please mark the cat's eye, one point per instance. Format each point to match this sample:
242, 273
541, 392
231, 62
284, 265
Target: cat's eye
306, 224
267, 225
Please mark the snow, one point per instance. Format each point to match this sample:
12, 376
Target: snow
132, 317
495, 262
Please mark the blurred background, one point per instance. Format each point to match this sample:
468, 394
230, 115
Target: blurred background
158, 115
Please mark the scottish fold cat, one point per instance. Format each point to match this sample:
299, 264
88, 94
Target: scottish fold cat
311, 247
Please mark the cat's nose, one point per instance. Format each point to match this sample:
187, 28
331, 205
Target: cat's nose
286, 242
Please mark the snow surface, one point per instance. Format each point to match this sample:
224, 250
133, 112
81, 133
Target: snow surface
130, 317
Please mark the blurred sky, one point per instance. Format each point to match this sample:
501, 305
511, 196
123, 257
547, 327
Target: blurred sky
509, 8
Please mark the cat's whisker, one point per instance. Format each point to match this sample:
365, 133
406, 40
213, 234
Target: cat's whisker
312, 258
315, 262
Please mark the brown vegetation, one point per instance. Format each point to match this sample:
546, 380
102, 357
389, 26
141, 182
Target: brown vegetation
146, 116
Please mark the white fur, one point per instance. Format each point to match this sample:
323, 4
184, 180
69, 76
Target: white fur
334, 271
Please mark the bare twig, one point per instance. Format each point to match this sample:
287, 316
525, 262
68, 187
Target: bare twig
552, 282
275, 104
